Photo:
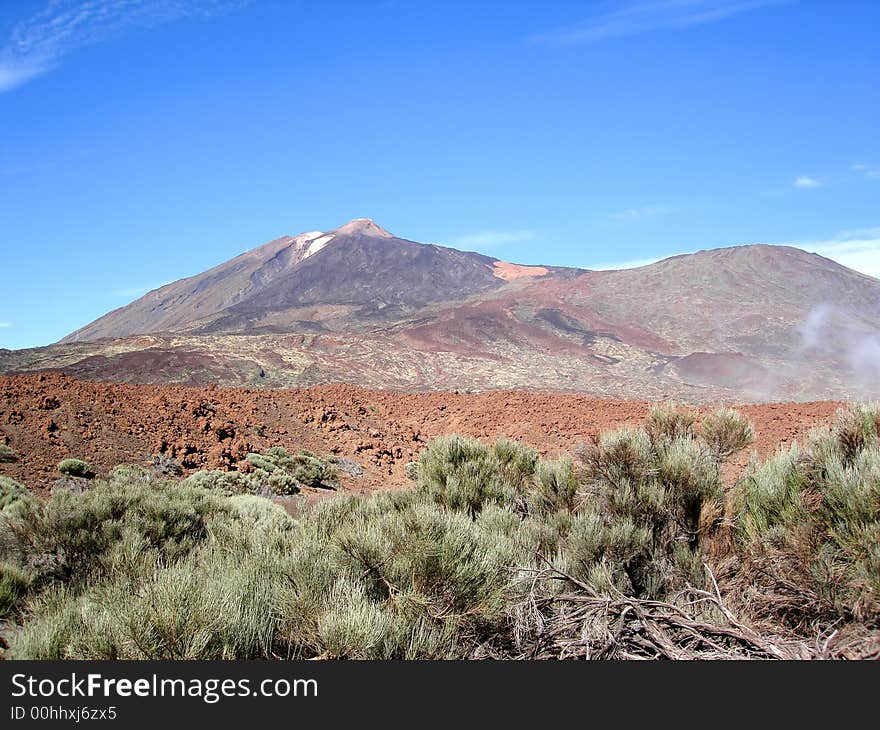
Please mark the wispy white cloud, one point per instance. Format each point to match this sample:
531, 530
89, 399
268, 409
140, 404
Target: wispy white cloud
626, 263
38, 43
644, 16
805, 181
858, 250
5, 324
866, 170
633, 215
492, 238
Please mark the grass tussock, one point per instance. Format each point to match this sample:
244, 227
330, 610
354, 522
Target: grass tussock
493, 552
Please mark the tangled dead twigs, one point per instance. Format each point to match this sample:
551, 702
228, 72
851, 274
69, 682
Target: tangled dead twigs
579, 623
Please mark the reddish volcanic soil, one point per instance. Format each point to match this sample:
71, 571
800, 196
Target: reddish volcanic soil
48, 417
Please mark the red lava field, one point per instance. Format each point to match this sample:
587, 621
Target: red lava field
48, 417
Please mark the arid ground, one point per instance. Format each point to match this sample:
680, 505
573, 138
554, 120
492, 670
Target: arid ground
48, 417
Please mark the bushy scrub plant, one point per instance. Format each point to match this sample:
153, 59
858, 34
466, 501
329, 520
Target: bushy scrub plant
652, 498
75, 468
808, 524
11, 492
285, 473
69, 536
463, 474
492, 552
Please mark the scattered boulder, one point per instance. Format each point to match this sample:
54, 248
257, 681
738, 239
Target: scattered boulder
71, 484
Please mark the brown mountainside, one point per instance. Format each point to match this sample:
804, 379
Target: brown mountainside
360, 305
356, 273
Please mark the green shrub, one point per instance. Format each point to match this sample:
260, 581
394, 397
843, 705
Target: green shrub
203, 607
222, 482
14, 584
463, 474
75, 468
11, 492
808, 521
669, 422
283, 473
258, 461
646, 493
554, 489
260, 512
130, 473
726, 431
390, 577
6, 453
69, 536
313, 472
141, 567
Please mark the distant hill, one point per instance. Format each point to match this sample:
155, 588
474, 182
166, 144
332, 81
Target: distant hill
357, 304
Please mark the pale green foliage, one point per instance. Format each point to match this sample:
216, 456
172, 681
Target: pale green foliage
554, 489
411, 469
141, 567
284, 473
394, 578
726, 431
221, 482
204, 606
640, 527
275, 472
71, 534
6, 453
669, 422
14, 584
130, 473
810, 518
259, 511
11, 492
463, 474
75, 468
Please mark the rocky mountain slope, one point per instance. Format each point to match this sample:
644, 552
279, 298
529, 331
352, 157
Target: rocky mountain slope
360, 305
354, 275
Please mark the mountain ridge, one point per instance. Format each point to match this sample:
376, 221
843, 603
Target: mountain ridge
284, 273
358, 304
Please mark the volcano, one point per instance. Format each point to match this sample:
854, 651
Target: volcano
358, 304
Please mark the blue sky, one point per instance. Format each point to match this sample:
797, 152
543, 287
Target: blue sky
147, 141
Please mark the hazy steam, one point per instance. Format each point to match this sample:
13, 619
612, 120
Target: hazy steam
839, 335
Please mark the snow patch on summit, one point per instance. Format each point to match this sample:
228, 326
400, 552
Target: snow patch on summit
319, 243
310, 243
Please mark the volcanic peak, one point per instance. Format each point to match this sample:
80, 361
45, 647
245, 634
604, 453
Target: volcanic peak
363, 227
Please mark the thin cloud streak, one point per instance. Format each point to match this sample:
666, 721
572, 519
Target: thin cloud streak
628, 264
6, 324
38, 44
806, 182
865, 170
492, 238
633, 215
647, 16
859, 250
